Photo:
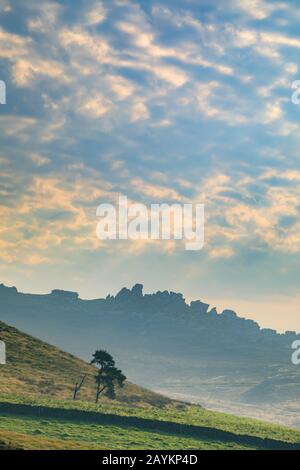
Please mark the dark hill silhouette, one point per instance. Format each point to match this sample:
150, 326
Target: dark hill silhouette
165, 343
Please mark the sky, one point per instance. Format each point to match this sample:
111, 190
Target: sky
180, 102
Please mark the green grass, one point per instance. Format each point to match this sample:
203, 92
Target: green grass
108, 426
95, 436
180, 413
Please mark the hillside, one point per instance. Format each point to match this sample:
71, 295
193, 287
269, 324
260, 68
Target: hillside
37, 412
187, 351
50, 424
35, 368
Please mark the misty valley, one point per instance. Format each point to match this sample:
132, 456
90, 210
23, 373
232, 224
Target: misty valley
189, 352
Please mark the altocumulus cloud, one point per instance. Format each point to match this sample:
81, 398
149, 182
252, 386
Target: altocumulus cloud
180, 101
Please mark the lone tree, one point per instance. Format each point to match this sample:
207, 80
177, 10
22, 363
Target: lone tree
108, 376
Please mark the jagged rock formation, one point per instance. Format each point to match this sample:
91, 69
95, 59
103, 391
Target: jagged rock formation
160, 340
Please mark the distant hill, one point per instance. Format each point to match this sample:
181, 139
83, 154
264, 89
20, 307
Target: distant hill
35, 368
189, 351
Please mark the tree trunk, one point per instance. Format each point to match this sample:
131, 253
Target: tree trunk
78, 387
98, 393
75, 391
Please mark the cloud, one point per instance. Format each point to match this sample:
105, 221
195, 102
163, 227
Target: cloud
94, 106
139, 111
4, 7
26, 71
259, 9
16, 126
45, 17
50, 216
210, 103
225, 252
78, 40
272, 112
249, 221
154, 191
187, 53
279, 39
39, 160
122, 87
13, 46
178, 103
96, 14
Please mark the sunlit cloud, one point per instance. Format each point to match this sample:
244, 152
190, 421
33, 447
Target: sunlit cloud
160, 103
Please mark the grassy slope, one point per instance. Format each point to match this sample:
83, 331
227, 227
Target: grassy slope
84, 425
36, 368
42, 376
36, 433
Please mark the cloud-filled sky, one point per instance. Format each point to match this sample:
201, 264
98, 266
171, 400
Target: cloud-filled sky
182, 101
